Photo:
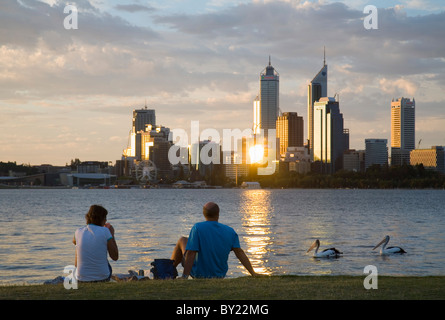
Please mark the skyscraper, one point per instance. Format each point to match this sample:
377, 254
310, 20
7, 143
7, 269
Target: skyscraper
256, 115
376, 152
269, 98
289, 131
155, 146
317, 89
328, 136
403, 127
141, 118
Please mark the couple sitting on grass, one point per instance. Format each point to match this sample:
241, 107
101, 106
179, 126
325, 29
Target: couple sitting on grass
204, 254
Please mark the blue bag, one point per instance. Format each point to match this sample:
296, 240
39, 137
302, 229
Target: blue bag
163, 269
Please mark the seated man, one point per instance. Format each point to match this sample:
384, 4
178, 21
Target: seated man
205, 252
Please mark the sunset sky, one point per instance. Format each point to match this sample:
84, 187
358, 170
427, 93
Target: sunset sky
68, 94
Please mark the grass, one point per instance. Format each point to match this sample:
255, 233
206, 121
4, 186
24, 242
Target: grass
243, 288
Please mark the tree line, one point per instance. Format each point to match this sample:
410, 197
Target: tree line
5, 167
375, 177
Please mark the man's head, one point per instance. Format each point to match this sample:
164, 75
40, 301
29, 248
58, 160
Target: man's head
211, 211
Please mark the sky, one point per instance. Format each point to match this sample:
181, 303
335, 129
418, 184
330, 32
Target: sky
70, 93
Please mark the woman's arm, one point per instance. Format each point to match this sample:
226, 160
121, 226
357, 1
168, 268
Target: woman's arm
75, 252
113, 250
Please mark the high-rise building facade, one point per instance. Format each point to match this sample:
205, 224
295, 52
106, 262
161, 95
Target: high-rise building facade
155, 146
269, 98
376, 152
256, 115
205, 157
289, 130
433, 158
317, 89
141, 118
328, 136
354, 160
403, 127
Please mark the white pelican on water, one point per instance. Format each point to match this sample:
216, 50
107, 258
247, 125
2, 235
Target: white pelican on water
389, 250
326, 253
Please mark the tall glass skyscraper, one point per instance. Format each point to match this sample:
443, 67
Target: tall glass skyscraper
141, 118
376, 152
317, 89
403, 126
328, 136
269, 98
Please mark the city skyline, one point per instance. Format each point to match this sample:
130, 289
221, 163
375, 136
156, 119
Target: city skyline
69, 94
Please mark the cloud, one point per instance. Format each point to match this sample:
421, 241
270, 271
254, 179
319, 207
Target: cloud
28, 23
134, 8
204, 65
399, 87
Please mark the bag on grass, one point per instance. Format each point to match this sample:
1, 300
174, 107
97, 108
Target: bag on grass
163, 269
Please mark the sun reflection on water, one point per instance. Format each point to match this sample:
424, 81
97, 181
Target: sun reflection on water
257, 210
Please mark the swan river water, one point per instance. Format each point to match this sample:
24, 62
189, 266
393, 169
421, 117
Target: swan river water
275, 227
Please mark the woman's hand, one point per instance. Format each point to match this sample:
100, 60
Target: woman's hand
110, 227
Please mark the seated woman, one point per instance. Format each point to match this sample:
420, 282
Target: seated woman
93, 242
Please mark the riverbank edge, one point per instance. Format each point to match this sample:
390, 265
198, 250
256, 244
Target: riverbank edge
287, 287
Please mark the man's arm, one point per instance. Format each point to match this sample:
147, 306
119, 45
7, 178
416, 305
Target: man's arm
240, 254
188, 263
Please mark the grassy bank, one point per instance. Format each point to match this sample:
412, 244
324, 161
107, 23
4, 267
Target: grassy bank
244, 288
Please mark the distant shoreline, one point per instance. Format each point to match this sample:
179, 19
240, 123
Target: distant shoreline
137, 187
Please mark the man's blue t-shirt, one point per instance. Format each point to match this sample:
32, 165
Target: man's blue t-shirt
213, 242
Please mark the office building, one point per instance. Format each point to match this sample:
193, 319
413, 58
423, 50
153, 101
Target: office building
297, 159
141, 118
328, 137
402, 130
154, 147
433, 158
269, 98
205, 158
354, 160
346, 139
256, 116
376, 152
317, 89
289, 130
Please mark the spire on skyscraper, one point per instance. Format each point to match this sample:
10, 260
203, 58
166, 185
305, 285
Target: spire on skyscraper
324, 56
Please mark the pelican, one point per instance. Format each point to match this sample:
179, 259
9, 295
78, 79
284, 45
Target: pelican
326, 253
389, 250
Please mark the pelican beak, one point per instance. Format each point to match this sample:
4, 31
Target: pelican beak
312, 246
380, 243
